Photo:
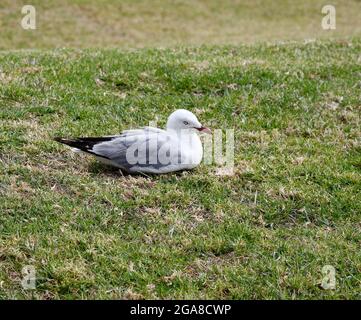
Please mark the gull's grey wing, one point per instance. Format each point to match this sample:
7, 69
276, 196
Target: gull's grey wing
148, 150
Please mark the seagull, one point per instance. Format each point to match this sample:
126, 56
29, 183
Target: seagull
149, 149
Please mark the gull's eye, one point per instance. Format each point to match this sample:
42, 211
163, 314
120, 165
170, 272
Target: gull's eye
186, 123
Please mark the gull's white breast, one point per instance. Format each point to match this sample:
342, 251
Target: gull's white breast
192, 150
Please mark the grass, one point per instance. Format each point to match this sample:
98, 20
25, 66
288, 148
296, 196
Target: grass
129, 23
292, 206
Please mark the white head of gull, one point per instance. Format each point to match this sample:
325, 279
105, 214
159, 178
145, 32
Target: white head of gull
182, 119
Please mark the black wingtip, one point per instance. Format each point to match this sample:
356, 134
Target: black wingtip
58, 139
84, 144
70, 142
64, 141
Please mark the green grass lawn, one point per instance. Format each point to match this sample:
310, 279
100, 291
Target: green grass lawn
292, 206
166, 23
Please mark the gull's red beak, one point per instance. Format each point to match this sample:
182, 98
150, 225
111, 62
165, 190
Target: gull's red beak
204, 129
